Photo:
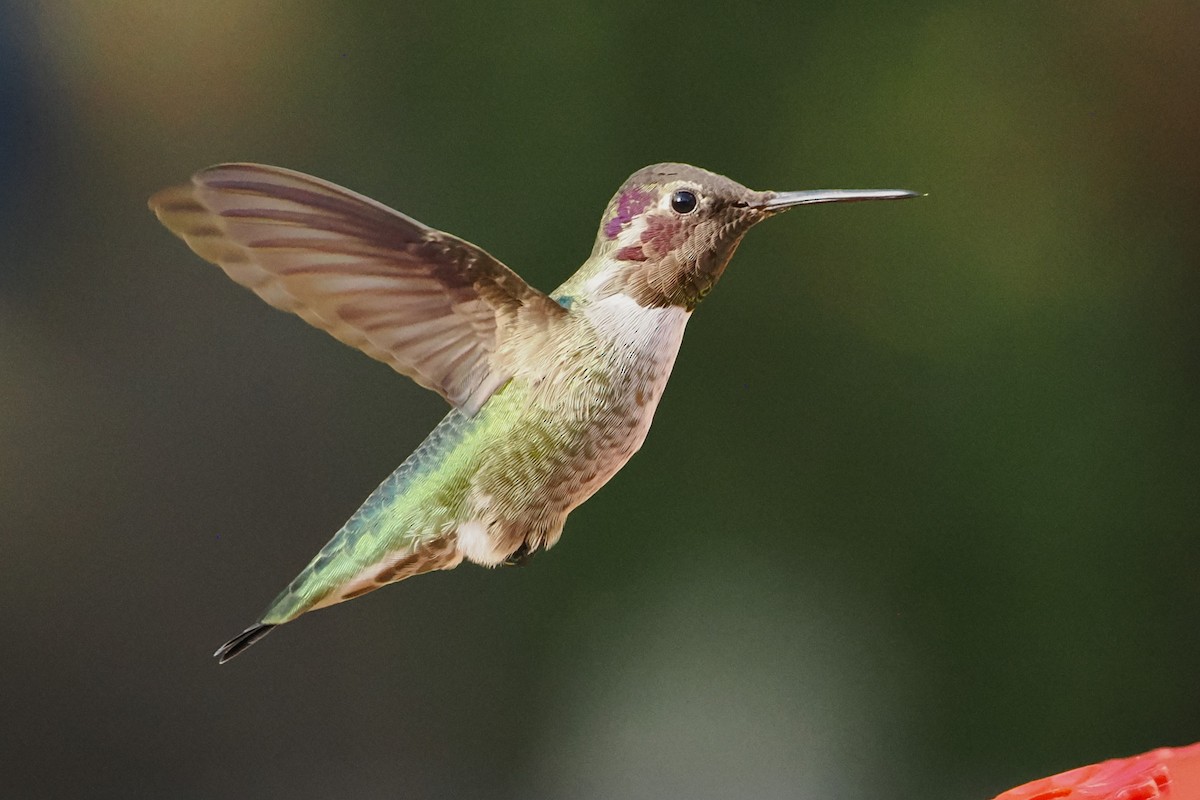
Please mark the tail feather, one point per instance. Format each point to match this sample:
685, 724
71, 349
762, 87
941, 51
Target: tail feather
243, 640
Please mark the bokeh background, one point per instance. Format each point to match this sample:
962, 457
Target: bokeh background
917, 518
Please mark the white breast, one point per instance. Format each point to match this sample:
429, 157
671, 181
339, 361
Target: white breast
653, 333
644, 342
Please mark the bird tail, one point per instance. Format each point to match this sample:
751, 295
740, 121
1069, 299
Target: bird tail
243, 640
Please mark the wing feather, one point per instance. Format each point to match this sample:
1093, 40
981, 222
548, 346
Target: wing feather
430, 305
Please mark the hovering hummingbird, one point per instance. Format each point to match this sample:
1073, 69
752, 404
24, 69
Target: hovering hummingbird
550, 394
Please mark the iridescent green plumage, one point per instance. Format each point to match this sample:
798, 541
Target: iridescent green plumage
551, 396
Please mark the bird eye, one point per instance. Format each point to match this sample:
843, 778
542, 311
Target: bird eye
683, 202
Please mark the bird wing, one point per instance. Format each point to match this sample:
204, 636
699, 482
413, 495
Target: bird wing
430, 305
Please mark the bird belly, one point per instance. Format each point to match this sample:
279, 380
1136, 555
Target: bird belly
578, 429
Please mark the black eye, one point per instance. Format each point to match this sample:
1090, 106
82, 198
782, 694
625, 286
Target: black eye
683, 202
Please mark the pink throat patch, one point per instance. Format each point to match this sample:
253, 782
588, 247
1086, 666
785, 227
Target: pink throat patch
631, 203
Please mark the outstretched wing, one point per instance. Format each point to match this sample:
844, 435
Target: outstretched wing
428, 304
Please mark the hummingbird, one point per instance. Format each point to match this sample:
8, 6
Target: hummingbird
550, 394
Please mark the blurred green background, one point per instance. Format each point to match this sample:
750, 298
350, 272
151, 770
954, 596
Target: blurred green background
917, 518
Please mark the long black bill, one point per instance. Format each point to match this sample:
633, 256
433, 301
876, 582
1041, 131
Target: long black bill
779, 201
